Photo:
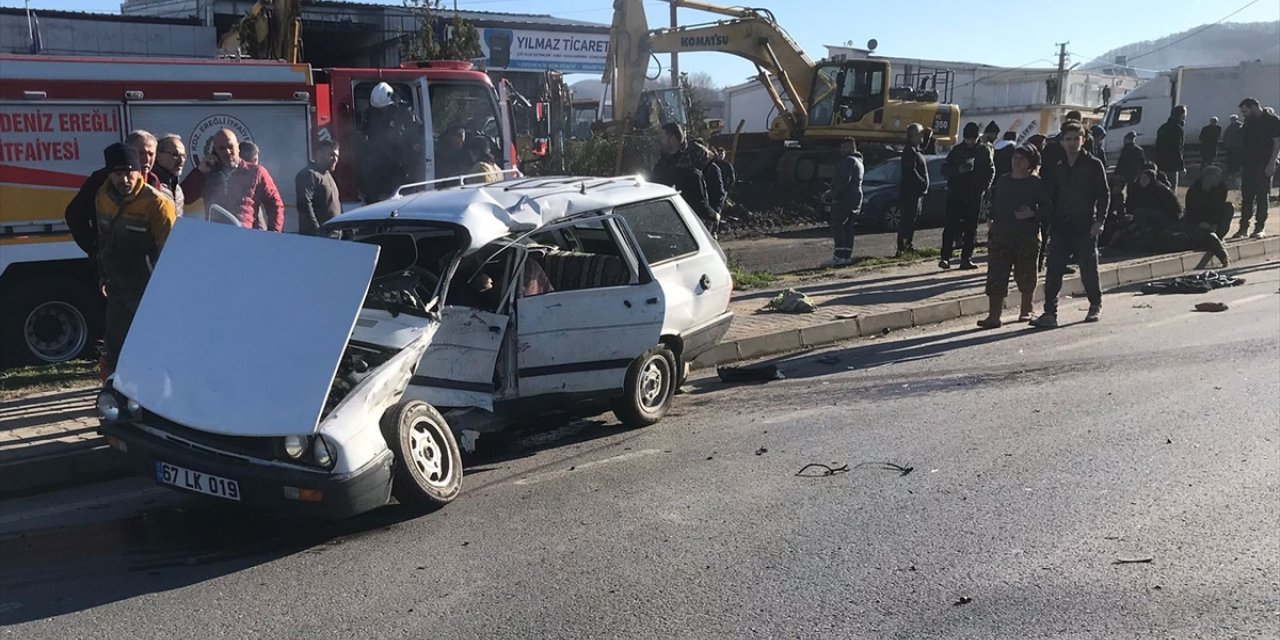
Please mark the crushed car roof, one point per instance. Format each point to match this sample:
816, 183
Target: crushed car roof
494, 210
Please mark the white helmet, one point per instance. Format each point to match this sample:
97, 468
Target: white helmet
382, 95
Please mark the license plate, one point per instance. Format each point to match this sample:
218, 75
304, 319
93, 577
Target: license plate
196, 481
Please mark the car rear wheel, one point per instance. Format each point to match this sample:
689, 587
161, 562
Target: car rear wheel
427, 473
648, 388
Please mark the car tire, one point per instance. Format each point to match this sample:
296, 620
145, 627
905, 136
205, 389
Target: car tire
648, 388
892, 218
49, 319
427, 471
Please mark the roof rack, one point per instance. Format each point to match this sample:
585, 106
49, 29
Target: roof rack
460, 180
580, 185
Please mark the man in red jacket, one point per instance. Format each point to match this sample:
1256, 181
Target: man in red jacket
222, 178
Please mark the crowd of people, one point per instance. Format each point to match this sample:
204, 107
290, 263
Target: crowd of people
701, 174
123, 213
1052, 201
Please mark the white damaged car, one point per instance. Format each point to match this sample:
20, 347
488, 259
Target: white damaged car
324, 375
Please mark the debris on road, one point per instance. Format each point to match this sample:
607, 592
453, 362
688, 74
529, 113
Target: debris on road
791, 301
1198, 283
821, 470
962, 601
889, 466
1137, 560
761, 451
1212, 307
760, 373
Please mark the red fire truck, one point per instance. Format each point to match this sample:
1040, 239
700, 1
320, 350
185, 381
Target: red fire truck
57, 114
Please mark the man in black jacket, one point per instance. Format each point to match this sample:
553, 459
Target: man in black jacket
1078, 186
1170, 138
1210, 135
912, 185
1132, 158
969, 169
676, 169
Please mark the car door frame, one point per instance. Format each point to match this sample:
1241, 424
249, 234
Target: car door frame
589, 376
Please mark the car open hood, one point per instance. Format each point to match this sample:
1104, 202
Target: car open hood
240, 332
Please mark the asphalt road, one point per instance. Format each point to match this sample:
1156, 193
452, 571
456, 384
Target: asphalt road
1098, 481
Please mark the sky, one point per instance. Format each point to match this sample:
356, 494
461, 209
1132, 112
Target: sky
998, 32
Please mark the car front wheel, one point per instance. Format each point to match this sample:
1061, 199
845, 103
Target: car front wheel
427, 473
648, 388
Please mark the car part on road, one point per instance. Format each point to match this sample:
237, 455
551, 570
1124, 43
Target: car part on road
821, 470
761, 373
1212, 307
1198, 283
648, 388
889, 466
427, 472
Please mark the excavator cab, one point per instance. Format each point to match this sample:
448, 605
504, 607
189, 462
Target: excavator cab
846, 92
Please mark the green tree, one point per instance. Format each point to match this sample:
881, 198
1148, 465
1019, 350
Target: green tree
459, 40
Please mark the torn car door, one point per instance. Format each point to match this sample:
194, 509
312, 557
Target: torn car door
458, 369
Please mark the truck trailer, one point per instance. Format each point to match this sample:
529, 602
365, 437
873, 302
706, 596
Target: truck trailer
1207, 92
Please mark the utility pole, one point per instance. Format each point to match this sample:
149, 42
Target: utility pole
675, 57
1062, 72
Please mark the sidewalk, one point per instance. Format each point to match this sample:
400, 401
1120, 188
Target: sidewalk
921, 294
50, 440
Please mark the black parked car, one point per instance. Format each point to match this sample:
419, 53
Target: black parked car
880, 196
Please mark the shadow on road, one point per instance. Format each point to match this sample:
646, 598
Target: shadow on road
65, 570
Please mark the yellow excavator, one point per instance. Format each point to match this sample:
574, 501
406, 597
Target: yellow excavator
271, 30
819, 103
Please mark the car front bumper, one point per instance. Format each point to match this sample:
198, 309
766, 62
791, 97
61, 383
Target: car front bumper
262, 485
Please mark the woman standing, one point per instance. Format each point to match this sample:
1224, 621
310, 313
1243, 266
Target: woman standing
1021, 203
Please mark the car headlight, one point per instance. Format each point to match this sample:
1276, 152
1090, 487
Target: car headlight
320, 452
108, 406
134, 409
295, 446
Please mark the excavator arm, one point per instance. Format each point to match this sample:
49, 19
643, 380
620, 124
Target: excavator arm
271, 30
752, 34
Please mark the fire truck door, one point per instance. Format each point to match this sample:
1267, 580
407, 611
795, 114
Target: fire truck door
504, 119
423, 104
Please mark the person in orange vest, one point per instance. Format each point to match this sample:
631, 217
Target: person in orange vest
133, 222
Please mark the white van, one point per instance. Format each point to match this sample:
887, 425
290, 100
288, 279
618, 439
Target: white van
441, 314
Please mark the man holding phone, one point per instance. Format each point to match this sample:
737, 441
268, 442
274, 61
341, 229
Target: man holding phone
222, 178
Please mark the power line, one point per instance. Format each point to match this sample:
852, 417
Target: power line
1196, 32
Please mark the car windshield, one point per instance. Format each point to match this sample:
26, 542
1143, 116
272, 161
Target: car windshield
884, 173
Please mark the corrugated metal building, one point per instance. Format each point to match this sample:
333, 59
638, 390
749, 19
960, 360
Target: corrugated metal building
96, 34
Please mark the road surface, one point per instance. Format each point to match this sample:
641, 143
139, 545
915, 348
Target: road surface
1115, 480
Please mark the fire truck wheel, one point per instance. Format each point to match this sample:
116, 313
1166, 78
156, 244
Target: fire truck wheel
49, 319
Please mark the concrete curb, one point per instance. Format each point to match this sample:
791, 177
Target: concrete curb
92, 462
1112, 277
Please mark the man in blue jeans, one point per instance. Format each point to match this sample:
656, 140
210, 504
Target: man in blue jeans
1078, 187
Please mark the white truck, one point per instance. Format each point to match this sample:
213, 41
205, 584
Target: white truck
1207, 92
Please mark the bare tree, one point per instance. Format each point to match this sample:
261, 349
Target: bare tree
458, 41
